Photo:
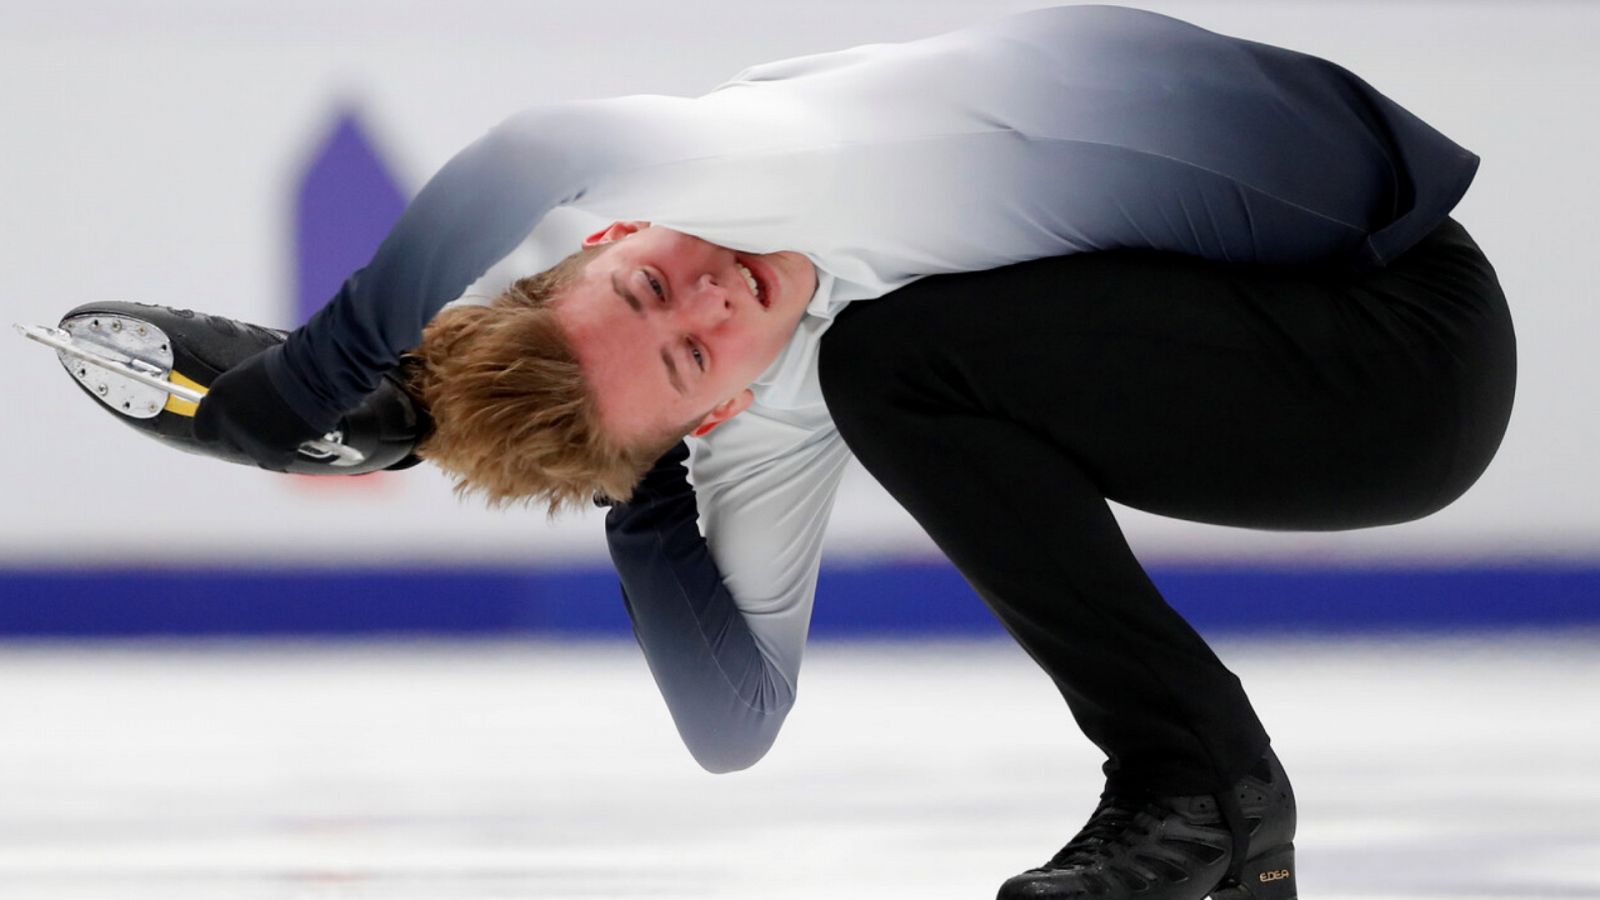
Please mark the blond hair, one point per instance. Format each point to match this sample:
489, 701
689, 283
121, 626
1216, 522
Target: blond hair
513, 417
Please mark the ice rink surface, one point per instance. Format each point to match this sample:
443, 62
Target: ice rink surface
1425, 767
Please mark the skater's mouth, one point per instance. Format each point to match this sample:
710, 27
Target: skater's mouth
758, 277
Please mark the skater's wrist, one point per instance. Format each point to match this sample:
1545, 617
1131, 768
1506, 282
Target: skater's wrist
293, 391
243, 410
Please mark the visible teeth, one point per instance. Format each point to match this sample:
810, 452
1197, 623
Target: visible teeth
750, 280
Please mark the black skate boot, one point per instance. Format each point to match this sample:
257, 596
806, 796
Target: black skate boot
188, 349
1177, 848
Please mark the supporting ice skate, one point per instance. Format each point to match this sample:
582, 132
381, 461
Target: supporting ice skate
1175, 848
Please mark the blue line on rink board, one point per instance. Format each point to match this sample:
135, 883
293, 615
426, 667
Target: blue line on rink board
900, 599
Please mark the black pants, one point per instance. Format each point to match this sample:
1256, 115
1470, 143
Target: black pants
1004, 408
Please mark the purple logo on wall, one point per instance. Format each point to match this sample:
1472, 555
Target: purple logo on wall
347, 201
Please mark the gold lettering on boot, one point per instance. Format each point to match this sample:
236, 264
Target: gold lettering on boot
1277, 875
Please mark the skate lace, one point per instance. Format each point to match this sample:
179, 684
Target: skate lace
1114, 825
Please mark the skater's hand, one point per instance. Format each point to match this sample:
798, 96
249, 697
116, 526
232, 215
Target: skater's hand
244, 412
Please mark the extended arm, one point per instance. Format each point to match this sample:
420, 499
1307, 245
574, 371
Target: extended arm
667, 159
471, 214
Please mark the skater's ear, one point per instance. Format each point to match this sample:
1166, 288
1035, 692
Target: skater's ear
724, 411
616, 231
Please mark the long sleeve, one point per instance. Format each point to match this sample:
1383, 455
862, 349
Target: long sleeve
727, 666
727, 700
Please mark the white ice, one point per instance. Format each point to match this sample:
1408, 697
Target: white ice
1424, 767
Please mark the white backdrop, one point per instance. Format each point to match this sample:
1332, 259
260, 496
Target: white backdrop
148, 151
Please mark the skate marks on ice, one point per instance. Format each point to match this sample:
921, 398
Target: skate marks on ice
1424, 768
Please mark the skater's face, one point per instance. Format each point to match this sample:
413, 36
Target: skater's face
668, 327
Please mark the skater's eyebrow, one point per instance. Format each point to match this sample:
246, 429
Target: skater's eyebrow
672, 371
625, 294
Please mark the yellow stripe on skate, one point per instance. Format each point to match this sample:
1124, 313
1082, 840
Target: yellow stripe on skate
179, 405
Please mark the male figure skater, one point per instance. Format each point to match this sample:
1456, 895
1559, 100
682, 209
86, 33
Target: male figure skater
1228, 292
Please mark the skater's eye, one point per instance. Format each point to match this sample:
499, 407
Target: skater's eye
655, 286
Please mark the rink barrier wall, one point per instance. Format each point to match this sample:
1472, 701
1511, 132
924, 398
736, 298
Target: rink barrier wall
912, 599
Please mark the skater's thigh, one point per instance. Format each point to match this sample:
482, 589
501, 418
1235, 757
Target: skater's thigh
1266, 397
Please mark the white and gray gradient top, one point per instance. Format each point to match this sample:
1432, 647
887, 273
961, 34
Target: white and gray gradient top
1055, 131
